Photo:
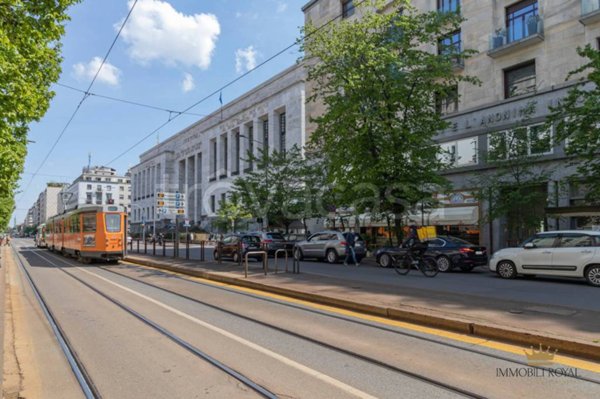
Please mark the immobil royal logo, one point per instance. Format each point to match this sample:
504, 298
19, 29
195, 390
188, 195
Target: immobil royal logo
539, 362
540, 357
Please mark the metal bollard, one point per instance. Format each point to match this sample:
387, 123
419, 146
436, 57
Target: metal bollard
174, 249
240, 248
145, 247
164, 244
219, 251
138, 245
187, 246
131, 245
202, 243
295, 262
276, 259
154, 248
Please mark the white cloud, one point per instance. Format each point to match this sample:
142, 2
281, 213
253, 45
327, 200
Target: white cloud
109, 74
245, 59
188, 83
156, 31
281, 7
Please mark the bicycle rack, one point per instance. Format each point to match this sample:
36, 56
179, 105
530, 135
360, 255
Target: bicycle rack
264, 257
286, 259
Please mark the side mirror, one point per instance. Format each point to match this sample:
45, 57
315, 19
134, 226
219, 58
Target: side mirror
529, 245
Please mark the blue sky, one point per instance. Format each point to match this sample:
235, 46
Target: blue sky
171, 54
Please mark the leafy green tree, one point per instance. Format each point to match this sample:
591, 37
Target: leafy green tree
30, 33
577, 122
378, 78
231, 212
515, 187
284, 187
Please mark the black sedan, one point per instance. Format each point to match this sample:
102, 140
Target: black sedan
449, 252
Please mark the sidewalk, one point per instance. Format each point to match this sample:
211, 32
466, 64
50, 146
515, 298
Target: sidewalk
574, 331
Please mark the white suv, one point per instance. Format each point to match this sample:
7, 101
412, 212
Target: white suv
554, 253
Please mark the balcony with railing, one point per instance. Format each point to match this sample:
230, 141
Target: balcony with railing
518, 35
590, 12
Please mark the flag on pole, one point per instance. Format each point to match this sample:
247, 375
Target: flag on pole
221, 101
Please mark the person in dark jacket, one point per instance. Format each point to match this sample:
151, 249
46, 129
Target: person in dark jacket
350, 243
412, 239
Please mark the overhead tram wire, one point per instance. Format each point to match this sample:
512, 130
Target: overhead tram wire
121, 100
85, 96
227, 85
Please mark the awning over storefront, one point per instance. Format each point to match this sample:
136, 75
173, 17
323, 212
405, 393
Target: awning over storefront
573, 211
451, 216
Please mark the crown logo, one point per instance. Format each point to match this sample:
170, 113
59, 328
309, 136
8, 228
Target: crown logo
540, 357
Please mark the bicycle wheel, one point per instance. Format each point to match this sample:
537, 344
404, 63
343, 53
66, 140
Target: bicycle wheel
428, 267
402, 266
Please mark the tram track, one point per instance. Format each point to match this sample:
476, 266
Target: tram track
352, 320
352, 354
90, 391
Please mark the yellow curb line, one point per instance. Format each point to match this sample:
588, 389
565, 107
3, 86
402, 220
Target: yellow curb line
469, 339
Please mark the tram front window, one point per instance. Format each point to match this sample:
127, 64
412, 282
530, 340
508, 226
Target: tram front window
113, 223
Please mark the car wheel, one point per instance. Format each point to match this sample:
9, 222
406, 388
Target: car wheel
331, 256
506, 269
444, 264
385, 260
236, 257
298, 254
592, 275
216, 255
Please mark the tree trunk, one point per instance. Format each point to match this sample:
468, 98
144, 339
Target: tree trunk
389, 228
398, 227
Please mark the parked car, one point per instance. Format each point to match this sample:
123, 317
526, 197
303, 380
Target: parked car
272, 241
230, 247
555, 253
329, 246
449, 253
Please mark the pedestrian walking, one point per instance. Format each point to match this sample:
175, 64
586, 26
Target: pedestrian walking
350, 244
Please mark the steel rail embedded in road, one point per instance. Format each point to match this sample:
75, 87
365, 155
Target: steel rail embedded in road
343, 351
85, 382
238, 376
355, 321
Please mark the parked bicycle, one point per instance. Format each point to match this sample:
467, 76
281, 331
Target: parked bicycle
414, 258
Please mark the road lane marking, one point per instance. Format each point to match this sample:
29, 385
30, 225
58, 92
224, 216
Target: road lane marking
500, 346
287, 361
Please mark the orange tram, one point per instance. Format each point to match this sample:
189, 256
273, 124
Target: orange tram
90, 232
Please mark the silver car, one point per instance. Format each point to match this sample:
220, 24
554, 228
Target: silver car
328, 245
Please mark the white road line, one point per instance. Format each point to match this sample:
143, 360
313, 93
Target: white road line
314, 373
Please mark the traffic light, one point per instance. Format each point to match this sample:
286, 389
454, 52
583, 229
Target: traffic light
160, 195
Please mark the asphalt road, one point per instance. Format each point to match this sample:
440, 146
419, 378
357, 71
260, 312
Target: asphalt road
292, 349
551, 291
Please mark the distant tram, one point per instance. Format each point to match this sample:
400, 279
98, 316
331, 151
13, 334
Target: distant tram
91, 232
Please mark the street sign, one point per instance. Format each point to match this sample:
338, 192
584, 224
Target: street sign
186, 223
169, 203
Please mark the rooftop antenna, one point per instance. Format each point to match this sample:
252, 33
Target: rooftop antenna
89, 160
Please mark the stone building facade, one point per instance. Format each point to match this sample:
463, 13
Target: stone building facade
204, 159
525, 49
98, 185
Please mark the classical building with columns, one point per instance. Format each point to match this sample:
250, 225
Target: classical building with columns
205, 158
